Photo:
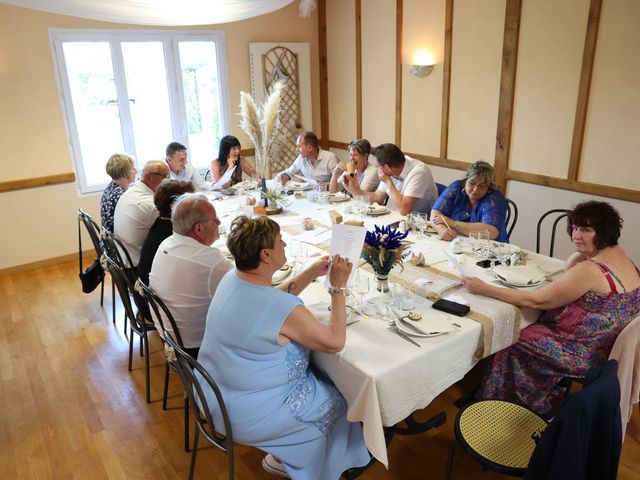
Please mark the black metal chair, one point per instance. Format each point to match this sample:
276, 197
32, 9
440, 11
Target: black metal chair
512, 216
115, 250
161, 313
94, 233
138, 321
559, 213
187, 368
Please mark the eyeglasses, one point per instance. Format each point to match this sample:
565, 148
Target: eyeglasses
160, 174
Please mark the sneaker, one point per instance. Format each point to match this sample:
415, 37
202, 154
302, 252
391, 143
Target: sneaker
272, 465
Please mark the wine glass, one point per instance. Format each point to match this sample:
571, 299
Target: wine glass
363, 285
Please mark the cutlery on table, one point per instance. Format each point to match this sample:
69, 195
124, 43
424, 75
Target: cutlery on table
394, 329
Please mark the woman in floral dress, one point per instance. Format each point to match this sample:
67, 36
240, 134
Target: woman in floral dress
586, 308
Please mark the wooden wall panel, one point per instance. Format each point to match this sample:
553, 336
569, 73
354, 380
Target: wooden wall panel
423, 29
547, 83
478, 29
341, 65
378, 70
612, 144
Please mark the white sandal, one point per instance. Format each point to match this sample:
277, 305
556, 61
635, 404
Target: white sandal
272, 465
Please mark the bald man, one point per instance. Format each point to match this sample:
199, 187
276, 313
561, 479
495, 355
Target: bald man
136, 212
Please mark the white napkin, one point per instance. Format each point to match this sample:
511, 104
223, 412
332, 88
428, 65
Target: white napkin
300, 186
322, 313
519, 275
375, 208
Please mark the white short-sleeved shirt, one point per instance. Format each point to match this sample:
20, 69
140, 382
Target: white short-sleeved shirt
135, 213
185, 274
416, 181
369, 180
320, 172
189, 174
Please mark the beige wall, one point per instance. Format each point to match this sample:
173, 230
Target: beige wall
40, 223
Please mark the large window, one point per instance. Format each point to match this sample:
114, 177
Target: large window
136, 91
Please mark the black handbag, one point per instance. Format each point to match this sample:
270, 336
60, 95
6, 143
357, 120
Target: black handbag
92, 276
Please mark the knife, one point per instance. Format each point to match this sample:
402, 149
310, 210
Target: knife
415, 328
394, 329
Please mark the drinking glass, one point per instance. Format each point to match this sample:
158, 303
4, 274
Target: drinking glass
362, 202
363, 285
423, 223
323, 193
480, 243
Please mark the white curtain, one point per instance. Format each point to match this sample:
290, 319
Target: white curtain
161, 12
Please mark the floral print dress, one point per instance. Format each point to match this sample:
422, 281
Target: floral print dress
564, 342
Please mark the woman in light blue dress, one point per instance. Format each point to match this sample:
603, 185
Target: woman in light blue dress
470, 205
256, 346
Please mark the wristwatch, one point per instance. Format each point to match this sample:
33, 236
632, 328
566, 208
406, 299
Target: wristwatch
341, 290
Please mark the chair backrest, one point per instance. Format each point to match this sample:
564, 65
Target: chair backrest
161, 314
583, 439
441, 188
115, 251
208, 177
626, 350
558, 214
126, 290
512, 216
187, 366
92, 229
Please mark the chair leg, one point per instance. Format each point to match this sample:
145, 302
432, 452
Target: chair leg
144, 340
141, 346
102, 291
113, 303
130, 348
447, 475
196, 437
186, 423
165, 392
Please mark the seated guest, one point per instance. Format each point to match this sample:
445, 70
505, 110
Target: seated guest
585, 310
472, 204
313, 164
365, 174
406, 181
187, 269
122, 171
229, 157
136, 212
180, 169
258, 352
162, 228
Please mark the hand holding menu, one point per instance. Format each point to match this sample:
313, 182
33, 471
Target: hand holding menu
346, 241
224, 179
456, 264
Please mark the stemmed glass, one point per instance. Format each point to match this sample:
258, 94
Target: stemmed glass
299, 253
363, 285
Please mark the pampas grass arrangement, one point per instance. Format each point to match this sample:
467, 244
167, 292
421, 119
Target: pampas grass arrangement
261, 125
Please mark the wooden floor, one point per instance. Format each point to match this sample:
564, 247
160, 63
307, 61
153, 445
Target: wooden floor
70, 409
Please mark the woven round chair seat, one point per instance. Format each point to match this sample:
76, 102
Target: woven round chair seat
499, 434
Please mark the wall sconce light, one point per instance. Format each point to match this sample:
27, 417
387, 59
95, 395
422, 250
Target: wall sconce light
421, 70
423, 63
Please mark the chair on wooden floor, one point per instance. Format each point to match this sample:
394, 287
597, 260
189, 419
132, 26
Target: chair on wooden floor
138, 321
559, 214
512, 216
161, 314
513, 440
115, 250
94, 233
194, 385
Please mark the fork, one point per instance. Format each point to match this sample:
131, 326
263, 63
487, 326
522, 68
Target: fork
394, 329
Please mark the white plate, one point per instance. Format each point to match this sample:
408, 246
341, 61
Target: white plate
422, 326
277, 280
519, 285
300, 187
377, 213
333, 198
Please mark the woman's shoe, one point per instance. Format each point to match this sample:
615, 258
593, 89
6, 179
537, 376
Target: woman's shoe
272, 465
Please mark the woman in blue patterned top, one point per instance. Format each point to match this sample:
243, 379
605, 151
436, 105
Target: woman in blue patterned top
121, 168
256, 346
472, 204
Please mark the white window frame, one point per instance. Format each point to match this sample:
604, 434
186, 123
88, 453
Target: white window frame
169, 39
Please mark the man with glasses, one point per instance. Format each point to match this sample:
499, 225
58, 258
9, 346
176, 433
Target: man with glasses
135, 211
186, 270
180, 168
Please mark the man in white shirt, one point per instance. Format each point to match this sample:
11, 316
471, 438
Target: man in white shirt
135, 211
406, 181
180, 169
186, 270
312, 163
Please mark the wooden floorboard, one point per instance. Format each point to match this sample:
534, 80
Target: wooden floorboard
71, 409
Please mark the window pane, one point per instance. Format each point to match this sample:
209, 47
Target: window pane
95, 106
148, 98
202, 102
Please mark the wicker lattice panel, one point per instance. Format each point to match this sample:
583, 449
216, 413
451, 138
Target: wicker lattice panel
280, 63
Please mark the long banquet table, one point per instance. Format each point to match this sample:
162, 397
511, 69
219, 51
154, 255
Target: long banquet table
382, 376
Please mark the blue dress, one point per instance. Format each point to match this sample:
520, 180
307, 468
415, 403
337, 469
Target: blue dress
275, 402
491, 209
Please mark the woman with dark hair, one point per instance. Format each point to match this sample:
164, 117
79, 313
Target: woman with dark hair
162, 228
585, 310
229, 157
471, 204
258, 352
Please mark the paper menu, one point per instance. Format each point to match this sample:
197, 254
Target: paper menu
224, 179
347, 241
460, 269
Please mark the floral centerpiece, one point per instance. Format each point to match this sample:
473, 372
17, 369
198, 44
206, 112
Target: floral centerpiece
383, 249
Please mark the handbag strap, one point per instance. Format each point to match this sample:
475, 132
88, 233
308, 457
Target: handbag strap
80, 243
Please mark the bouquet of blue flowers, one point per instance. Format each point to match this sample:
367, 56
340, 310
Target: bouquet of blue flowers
383, 248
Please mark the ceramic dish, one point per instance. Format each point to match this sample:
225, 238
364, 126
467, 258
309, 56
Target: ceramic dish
422, 327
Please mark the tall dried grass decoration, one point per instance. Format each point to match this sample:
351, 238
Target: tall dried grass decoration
261, 125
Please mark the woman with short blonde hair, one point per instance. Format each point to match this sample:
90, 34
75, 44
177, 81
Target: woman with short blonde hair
122, 170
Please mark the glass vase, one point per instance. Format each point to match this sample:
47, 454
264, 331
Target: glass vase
382, 282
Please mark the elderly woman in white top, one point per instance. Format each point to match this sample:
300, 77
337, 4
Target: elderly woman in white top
365, 174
